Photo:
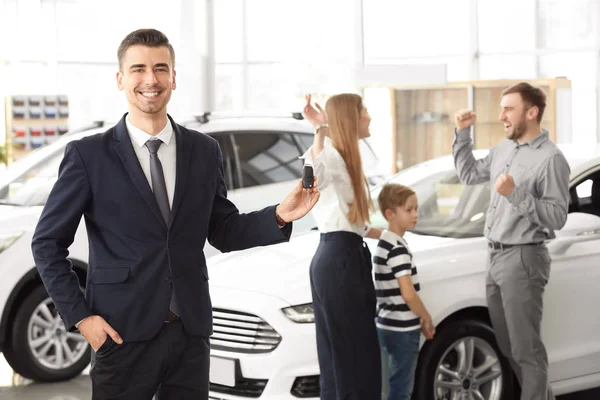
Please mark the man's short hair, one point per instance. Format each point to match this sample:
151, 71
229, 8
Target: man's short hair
393, 195
531, 95
144, 37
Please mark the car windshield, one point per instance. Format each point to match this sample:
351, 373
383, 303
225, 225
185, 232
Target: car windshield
33, 187
446, 207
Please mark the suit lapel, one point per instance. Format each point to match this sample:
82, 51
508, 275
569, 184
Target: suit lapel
183, 159
124, 149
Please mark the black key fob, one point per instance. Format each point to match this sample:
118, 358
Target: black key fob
308, 178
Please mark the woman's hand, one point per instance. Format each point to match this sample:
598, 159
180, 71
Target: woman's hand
316, 116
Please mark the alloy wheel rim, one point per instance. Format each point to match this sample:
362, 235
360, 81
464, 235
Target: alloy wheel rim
49, 342
470, 369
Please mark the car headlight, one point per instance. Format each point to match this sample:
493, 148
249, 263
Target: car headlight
6, 240
302, 314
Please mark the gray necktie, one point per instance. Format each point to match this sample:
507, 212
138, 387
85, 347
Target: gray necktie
158, 180
160, 193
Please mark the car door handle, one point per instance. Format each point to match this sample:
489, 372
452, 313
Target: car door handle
561, 244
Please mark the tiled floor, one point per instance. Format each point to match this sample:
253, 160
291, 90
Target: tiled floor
13, 388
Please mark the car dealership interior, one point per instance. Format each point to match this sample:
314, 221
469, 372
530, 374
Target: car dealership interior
309, 158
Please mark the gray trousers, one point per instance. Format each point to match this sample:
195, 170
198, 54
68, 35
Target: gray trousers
515, 283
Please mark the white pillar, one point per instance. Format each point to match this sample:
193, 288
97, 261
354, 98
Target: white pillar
209, 57
474, 42
596, 9
245, 69
359, 48
194, 80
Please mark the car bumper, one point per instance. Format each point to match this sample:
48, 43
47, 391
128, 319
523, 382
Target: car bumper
288, 371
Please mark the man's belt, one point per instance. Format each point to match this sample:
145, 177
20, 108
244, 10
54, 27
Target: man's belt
502, 246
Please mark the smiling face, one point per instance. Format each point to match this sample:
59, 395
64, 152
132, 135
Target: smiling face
147, 77
516, 115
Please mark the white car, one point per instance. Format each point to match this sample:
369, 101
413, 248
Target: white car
261, 166
264, 342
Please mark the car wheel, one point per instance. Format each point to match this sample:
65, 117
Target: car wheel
464, 362
39, 347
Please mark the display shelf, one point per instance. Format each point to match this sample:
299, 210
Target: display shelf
34, 121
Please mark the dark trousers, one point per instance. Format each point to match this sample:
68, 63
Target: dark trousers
344, 303
173, 365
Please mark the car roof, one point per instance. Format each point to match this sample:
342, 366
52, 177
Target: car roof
580, 158
249, 122
234, 122
220, 124
252, 125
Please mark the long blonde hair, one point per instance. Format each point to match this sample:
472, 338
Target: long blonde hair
343, 115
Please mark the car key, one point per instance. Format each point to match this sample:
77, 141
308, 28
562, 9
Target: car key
308, 178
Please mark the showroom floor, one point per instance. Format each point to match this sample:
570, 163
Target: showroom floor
80, 389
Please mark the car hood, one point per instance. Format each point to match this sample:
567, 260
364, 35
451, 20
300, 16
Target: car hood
281, 270
17, 218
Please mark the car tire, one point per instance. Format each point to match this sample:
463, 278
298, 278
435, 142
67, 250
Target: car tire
453, 343
24, 360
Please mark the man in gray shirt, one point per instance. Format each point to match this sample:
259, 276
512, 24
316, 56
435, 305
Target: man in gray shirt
529, 201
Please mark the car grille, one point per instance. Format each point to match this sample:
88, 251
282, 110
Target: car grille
306, 386
242, 333
243, 387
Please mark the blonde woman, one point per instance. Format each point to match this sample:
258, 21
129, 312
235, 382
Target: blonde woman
343, 294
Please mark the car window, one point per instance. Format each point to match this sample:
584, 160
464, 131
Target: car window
268, 157
585, 196
446, 206
305, 140
34, 186
584, 189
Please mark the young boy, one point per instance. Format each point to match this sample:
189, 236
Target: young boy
401, 314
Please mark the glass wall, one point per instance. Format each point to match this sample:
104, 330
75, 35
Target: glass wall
268, 53
269, 56
69, 47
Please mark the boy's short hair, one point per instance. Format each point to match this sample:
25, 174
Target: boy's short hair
393, 195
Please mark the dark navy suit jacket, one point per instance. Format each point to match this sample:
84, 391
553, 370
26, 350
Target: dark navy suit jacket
134, 257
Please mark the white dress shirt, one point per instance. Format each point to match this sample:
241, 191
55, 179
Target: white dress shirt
337, 193
166, 153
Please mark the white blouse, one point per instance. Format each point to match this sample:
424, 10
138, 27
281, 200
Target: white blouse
333, 180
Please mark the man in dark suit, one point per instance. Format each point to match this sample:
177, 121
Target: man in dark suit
151, 192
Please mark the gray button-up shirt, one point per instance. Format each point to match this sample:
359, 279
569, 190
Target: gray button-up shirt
539, 203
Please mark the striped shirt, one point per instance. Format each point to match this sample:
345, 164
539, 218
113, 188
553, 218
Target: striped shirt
393, 259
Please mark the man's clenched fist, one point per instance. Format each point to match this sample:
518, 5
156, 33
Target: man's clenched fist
464, 119
504, 185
